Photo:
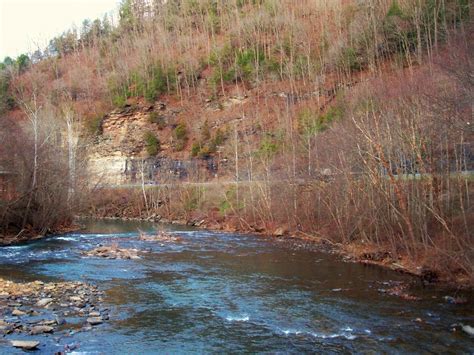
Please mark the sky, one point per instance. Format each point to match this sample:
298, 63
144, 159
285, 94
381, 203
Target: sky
26, 25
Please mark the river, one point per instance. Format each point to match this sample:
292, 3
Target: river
212, 292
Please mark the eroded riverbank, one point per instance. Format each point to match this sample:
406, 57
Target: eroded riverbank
212, 291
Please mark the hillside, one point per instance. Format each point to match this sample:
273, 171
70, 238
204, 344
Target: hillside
348, 121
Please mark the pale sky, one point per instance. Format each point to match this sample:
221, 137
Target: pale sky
26, 25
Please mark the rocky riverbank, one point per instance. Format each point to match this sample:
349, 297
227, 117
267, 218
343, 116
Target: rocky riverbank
34, 310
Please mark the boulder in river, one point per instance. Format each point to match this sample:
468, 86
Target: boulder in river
25, 344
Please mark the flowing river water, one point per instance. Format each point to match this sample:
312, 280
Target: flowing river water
214, 292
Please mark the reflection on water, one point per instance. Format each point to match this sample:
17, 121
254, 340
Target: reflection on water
215, 292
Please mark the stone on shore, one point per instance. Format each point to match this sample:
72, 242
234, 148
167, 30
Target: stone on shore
279, 232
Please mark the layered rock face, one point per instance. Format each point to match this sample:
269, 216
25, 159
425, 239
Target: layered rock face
119, 155
120, 141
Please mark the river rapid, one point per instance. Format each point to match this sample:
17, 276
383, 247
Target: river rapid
210, 292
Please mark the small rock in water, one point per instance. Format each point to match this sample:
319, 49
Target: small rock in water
17, 312
468, 329
70, 347
94, 314
60, 321
75, 299
24, 344
40, 329
44, 302
94, 320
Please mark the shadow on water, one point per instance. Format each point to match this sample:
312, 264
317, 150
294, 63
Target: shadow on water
218, 292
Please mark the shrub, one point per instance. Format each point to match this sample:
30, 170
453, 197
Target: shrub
152, 143
395, 10
310, 123
119, 100
205, 131
93, 125
179, 145
217, 140
230, 202
191, 200
207, 145
6, 100
157, 119
195, 149
350, 59
180, 132
157, 83
268, 147
245, 63
205, 151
